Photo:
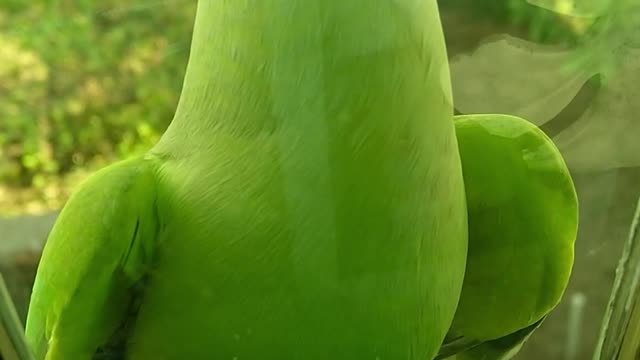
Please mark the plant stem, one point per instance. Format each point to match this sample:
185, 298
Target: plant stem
13, 345
619, 334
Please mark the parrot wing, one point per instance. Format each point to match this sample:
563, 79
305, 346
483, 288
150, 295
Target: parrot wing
523, 217
504, 348
94, 263
455, 345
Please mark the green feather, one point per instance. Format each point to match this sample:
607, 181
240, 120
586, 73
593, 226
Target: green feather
306, 202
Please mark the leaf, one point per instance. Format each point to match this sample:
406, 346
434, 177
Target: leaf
511, 76
13, 344
620, 322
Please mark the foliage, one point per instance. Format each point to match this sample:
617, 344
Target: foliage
82, 84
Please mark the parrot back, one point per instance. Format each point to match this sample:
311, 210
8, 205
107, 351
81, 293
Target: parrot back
335, 227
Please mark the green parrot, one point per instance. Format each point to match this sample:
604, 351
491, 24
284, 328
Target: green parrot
523, 222
306, 202
311, 199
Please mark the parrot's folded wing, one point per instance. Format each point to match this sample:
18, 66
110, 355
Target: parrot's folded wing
96, 256
504, 348
455, 345
523, 217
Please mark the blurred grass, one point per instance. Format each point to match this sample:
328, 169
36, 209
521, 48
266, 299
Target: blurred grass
82, 84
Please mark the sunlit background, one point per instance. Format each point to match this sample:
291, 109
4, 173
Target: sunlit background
85, 83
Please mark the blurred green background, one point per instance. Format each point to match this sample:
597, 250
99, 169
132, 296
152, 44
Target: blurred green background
82, 84
85, 83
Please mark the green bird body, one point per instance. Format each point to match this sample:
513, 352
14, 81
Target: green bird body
306, 202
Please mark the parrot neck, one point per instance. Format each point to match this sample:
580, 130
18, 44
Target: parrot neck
335, 67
